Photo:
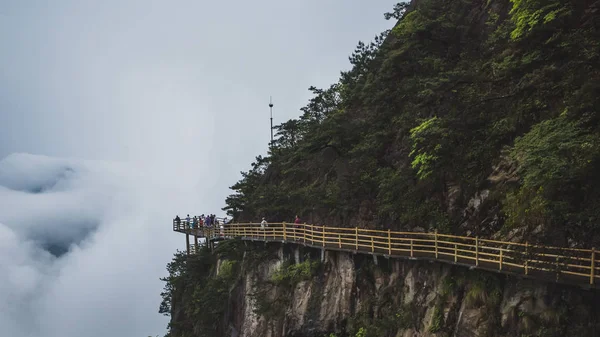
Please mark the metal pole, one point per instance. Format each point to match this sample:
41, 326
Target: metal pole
187, 242
271, 108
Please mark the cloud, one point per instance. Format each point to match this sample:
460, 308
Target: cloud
83, 245
21, 275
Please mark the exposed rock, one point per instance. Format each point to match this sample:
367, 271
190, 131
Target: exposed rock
453, 194
505, 172
350, 285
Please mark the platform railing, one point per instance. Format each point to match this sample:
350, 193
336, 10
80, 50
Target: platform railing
579, 265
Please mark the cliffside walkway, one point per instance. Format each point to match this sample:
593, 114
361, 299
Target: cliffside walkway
552, 264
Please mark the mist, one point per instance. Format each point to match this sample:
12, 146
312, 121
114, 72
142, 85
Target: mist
117, 115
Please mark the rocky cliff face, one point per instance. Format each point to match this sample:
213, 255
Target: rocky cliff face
299, 292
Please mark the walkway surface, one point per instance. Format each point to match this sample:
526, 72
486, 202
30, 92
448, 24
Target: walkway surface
551, 264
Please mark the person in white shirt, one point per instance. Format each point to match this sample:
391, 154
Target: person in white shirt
263, 224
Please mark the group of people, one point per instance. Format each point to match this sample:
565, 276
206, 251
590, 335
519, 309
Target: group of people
206, 221
210, 221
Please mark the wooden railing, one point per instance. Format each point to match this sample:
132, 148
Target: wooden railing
567, 265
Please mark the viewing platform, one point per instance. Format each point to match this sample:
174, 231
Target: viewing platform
551, 264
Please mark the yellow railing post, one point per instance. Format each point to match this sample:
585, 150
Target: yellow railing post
356, 231
455, 252
304, 232
477, 251
284, 234
312, 235
323, 234
500, 261
593, 270
340, 240
372, 245
389, 242
436, 244
411, 248
526, 258
244, 229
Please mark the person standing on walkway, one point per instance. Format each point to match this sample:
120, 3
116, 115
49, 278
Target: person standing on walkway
296, 227
263, 224
187, 220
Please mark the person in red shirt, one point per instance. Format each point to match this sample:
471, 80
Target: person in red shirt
296, 226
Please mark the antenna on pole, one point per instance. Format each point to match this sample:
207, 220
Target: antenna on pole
271, 107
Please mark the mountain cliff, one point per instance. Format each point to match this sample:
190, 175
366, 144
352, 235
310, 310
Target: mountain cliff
477, 117
470, 117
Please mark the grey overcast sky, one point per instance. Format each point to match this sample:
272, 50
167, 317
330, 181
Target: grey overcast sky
176, 89
157, 81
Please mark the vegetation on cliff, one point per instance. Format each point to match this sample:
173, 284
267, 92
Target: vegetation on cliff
197, 290
468, 116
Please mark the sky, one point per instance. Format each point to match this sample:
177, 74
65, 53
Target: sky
115, 115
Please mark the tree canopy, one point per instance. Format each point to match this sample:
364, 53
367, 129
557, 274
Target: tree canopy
460, 97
